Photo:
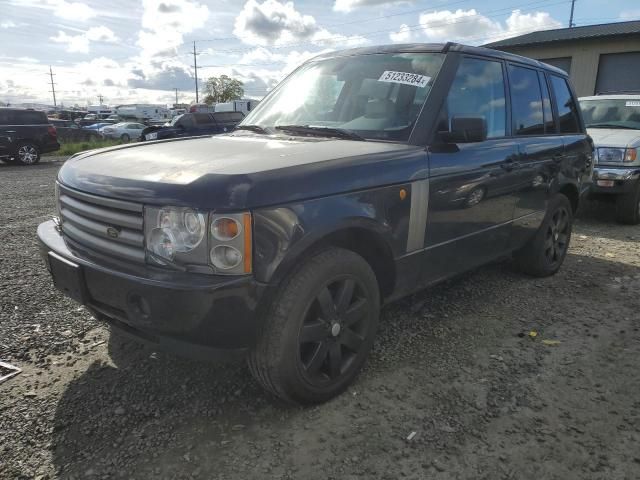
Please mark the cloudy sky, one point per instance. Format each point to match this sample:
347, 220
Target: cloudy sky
140, 50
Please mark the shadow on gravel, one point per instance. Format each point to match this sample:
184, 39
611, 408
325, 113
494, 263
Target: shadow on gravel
433, 370
598, 217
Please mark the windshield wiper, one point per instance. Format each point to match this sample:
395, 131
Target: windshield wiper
320, 131
252, 128
610, 125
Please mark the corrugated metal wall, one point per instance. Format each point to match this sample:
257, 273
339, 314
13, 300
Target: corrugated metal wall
585, 57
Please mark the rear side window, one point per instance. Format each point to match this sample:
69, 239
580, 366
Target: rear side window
478, 91
228, 116
566, 106
526, 101
25, 117
202, 118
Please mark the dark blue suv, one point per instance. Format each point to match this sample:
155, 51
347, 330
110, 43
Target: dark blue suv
193, 125
364, 176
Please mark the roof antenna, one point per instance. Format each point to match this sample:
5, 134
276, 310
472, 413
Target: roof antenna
571, 24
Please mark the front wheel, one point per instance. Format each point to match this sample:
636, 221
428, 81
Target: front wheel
628, 206
319, 328
28, 154
125, 137
544, 254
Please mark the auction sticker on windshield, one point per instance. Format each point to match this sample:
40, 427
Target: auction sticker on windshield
405, 78
632, 103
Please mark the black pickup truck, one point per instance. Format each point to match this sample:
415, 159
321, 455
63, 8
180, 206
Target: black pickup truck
364, 176
25, 134
193, 125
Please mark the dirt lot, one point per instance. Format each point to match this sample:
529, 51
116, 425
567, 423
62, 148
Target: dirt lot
454, 364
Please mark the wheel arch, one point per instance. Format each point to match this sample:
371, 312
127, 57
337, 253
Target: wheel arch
570, 191
362, 236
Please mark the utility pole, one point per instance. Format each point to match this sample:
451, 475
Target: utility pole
195, 68
100, 98
571, 24
53, 88
176, 95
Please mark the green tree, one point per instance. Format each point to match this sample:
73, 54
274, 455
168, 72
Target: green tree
222, 89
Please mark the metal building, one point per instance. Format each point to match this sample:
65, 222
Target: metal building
599, 58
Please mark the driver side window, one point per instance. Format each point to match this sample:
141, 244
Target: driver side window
477, 91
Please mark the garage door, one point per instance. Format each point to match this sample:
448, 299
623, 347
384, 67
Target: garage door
619, 72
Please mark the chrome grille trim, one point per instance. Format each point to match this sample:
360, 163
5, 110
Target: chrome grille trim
87, 220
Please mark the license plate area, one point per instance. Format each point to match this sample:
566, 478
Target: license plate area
67, 277
605, 183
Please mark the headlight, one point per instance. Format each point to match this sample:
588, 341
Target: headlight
610, 155
207, 243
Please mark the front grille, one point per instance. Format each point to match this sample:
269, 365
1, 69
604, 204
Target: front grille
103, 225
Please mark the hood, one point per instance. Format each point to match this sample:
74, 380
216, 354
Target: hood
240, 170
615, 137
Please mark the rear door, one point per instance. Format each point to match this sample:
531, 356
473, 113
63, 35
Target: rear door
471, 201
205, 124
540, 148
6, 131
578, 147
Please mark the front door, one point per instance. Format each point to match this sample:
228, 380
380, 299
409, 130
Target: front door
471, 185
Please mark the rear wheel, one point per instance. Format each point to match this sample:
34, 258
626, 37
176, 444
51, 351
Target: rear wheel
28, 154
125, 137
320, 328
546, 251
628, 206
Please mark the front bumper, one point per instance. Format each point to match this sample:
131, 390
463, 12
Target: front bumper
614, 180
195, 314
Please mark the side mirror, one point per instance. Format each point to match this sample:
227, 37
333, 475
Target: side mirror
465, 130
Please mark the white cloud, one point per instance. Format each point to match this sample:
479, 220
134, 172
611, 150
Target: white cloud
80, 43
630, 15
165, 22
71, 10
402, 35
349, 5
8, 24
276, 23
473, 27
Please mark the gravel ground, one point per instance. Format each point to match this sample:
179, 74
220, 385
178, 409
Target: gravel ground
454, 364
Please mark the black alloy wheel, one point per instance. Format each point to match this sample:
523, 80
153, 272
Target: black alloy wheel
557, 235
318, 329
334, 330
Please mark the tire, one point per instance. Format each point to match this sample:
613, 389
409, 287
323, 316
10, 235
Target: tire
303, 357
27, 154
544, 254
475, 197
628, 206
125, 137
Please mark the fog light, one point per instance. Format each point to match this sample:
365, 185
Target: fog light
225, 257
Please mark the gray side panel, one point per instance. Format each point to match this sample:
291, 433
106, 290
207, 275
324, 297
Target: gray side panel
418, 215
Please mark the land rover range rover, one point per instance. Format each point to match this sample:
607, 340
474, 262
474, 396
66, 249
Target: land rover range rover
364, 176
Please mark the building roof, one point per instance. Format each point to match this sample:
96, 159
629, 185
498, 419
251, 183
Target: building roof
566, 34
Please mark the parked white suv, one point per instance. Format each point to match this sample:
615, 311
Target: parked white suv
613, 121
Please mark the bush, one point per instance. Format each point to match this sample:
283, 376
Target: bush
67, 149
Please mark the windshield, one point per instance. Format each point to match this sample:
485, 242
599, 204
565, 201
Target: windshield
175, 119
371, 96
611, 113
